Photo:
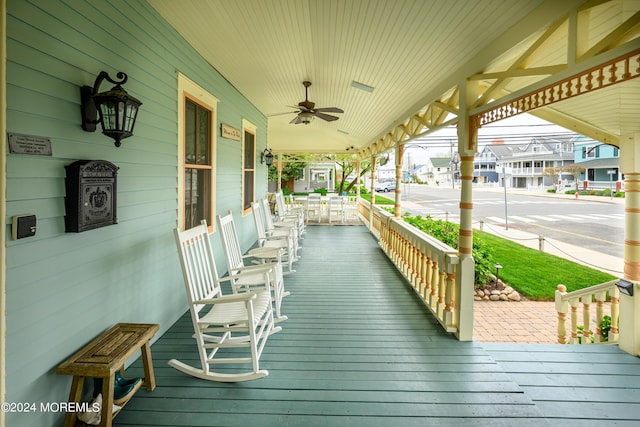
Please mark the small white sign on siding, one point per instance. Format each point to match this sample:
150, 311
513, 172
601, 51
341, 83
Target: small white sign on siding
230, 132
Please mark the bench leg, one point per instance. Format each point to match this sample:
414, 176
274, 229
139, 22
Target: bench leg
74, 396
149, 376
106, 417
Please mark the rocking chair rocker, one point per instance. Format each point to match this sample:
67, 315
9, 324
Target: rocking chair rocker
223, 323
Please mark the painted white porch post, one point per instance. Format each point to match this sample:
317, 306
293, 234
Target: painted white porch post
629, 338
358, 172
465, 277
374, 160
398, 192
279, 169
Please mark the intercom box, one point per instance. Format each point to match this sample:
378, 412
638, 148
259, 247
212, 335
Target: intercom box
23, 226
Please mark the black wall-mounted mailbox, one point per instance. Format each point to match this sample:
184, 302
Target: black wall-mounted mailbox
91, 196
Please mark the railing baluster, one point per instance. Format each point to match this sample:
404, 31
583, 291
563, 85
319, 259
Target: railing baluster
573, 302
615, 300
586, 319
600, 298
562, 307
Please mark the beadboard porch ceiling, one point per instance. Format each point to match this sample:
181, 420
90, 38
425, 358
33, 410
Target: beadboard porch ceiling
409, 51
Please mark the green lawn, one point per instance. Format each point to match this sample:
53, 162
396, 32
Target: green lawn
380, 200
536, 274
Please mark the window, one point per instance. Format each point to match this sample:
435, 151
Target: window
248, 165
196, 151
197, 164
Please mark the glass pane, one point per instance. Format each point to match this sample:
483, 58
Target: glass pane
197, 193
204, 135
249, 150
190, 132
248, 190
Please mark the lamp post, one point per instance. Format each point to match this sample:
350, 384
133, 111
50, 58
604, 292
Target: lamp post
498, 266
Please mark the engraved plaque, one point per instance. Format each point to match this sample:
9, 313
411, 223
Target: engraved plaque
27, 144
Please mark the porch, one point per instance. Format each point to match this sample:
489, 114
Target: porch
360, 348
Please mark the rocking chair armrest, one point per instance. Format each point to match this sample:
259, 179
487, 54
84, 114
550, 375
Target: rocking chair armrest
243, 296
249, 270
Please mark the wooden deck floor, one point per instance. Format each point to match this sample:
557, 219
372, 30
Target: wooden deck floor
360, 350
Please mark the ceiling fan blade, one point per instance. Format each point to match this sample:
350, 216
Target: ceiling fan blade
329, 110
282, 114
326, 117
296, 120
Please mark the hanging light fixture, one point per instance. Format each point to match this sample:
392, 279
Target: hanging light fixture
115, 109
306, 117
266, 157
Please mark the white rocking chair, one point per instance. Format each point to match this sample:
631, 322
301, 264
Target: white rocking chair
221, 322
270, 247
241, 277
288, 216
282, 229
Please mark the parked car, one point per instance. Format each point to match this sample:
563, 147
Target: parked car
386, 186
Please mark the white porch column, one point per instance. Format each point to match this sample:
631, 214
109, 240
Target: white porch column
374, 160
358, 172
467, 148
279, 168
399, 156
629, 338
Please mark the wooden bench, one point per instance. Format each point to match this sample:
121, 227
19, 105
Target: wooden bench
102, 357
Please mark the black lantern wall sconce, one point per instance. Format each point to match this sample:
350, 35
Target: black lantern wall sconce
115, 109
266, 157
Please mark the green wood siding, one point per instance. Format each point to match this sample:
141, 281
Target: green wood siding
63, 289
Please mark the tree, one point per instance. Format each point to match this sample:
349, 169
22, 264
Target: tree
553, 172
347, 168
576, 171
291, 171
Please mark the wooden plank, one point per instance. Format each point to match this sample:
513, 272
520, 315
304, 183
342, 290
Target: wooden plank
356, 350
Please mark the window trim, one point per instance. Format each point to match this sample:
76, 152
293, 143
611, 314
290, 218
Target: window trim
189, 89
248, 127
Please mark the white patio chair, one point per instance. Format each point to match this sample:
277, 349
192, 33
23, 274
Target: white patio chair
336, 206
288, 216
273, 248
221, 322
314, 207
351, 208
241, 275
283, 229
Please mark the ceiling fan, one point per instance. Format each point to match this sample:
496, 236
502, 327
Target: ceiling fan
307, 111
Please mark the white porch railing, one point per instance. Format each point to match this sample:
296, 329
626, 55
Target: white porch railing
583, 334
432, 268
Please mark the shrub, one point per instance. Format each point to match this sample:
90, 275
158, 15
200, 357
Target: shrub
447, 233
322, 191
619, 194
551, 190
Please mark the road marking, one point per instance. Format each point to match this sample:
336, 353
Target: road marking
544, 218
565, 217
580, 235
521, 218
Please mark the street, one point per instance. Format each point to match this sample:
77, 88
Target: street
596, 225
